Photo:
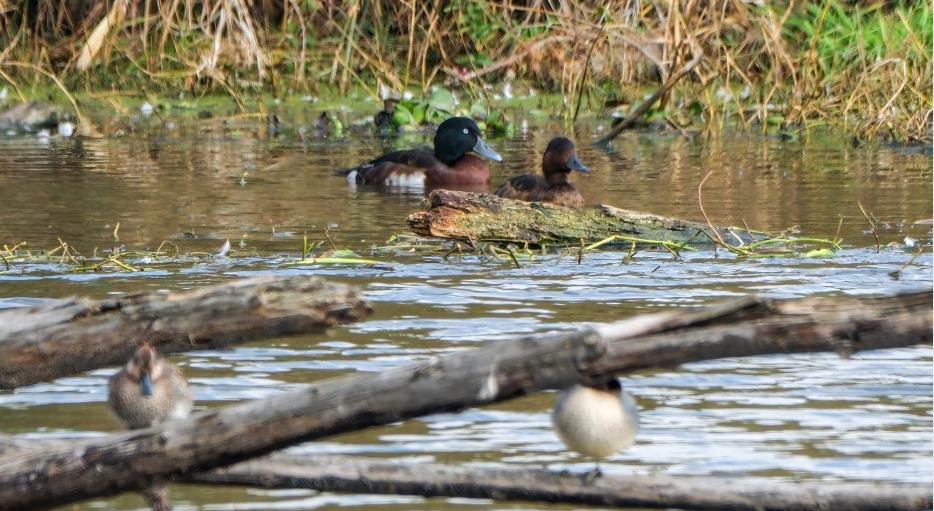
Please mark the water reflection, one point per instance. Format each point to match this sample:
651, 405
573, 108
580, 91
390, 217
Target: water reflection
799, 417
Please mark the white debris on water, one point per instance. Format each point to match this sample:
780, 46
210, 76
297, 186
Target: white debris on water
66, 129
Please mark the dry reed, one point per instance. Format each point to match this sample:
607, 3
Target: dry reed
866, 65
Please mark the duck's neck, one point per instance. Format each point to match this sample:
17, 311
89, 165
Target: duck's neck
447, 159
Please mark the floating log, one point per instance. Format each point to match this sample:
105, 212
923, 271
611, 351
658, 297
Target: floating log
361, 475
500, 371
352, 474
70, 336
474, 217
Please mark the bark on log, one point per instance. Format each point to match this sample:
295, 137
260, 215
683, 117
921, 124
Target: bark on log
500, 371
361, 475
352, 474
70, 336
472, 217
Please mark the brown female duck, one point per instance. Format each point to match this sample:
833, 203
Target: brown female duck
148, 390
554, 186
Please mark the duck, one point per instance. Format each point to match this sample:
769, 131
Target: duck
383, 119
449, 165
554, 186
596, 420
148, 390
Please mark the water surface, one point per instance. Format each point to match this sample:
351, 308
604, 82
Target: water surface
799, 417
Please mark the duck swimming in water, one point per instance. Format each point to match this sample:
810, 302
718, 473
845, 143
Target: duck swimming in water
448, 165
596, 421
148, 390
554, 185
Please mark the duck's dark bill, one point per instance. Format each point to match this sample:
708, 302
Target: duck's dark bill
145, 384
484, 150
575, 164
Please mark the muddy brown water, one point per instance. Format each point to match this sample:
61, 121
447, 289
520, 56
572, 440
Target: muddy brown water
800, 417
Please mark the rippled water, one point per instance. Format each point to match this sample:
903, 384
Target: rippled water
799, 417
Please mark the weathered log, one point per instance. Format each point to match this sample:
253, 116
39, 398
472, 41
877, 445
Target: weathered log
352, 474
503, 370
70, 336
472, 217
361, 475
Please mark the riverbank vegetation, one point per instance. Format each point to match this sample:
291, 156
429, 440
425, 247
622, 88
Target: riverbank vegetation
862, 66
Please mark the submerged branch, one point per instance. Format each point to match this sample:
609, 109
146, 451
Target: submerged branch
643, 107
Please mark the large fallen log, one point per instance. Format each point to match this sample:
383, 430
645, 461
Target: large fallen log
70, 336
361, 475
352, 474
500, 371
473, 217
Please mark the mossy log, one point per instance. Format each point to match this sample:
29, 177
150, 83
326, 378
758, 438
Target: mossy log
507, 369
69, 336
474, 217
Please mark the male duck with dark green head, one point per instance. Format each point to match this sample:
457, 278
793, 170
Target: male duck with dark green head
449, 165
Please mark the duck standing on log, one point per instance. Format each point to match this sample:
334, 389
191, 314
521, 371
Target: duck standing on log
554, 186
596, 420
448, 165
147, 391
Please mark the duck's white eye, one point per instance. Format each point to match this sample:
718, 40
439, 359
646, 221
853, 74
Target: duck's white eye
465, 131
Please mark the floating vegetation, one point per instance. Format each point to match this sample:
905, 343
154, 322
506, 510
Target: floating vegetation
311, 254
116, 259
435, 108
779, 246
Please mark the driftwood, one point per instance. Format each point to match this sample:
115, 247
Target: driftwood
361, 475
352, 474
472, 217
503, 370
70, 336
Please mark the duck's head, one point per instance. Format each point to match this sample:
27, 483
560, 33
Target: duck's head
456, 137
560, 158
142, 368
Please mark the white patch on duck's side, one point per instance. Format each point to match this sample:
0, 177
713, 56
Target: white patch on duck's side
352, 177
414, 180
595, 423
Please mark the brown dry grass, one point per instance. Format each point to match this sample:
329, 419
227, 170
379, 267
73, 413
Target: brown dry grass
759, 65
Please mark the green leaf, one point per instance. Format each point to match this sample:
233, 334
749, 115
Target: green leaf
402, 116
420, 113
436, 116
478, 111
442, 99
818, 253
